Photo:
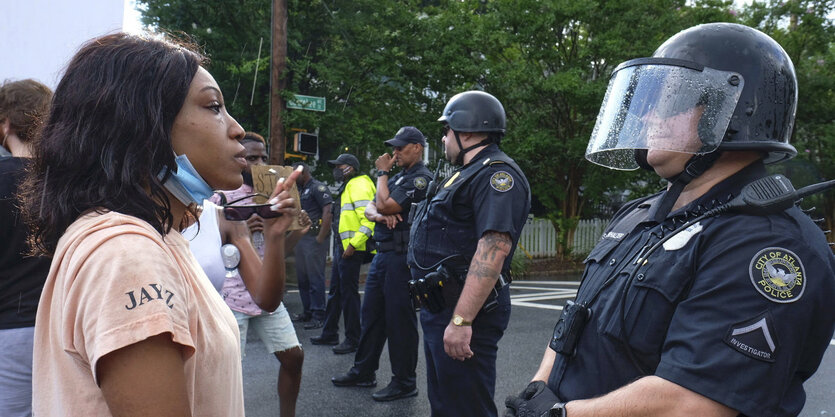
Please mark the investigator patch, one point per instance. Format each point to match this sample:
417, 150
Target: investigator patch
778, 275
420, 183
754, 338
501, 181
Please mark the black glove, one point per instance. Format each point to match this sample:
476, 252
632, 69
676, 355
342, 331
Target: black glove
534, 401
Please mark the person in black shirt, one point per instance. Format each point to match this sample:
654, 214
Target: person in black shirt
22, 104
467, 233
311, 250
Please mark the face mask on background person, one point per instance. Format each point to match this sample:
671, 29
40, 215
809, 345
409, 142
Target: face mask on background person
338, 174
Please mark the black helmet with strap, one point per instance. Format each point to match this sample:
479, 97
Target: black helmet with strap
733, 84
473, 111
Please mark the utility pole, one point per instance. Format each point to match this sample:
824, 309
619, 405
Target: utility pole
278, 65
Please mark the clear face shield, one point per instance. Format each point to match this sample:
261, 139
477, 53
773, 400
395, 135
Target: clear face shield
662, 104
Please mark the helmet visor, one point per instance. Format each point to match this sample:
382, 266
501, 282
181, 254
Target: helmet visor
659, 106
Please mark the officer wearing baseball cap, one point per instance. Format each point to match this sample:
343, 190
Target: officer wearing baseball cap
387, 312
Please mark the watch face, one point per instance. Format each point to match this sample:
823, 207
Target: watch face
458, 320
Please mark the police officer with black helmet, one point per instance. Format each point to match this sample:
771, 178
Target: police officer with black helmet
695, 301
462, 240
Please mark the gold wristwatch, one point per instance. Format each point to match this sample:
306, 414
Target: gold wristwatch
459, 321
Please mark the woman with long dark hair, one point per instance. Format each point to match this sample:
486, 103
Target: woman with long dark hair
128, 324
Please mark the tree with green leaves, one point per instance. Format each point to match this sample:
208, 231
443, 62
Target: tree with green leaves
806, 31
382, 64
550, 63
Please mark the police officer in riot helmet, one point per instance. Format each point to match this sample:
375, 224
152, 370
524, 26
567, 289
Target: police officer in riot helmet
692, 303
462, 240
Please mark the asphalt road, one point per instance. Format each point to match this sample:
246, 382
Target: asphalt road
536, 306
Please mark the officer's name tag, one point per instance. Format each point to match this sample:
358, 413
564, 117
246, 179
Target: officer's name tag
681, 238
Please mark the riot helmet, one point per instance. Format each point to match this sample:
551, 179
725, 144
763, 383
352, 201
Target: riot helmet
474, 111
733, 85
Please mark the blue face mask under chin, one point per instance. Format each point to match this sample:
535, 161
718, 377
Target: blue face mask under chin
186, 184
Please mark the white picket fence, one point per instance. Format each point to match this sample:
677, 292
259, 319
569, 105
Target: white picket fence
539, 240
587, 234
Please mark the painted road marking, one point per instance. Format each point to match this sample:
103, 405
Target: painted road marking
526, 292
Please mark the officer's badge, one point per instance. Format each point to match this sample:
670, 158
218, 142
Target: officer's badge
501, 181
322, 188
778, 275
420, 183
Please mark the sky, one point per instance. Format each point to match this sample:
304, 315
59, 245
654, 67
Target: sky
132, 23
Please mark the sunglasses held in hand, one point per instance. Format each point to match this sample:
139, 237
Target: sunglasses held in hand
241, 212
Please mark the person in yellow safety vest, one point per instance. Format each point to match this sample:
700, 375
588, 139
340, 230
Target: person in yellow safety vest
354, 233
354, 229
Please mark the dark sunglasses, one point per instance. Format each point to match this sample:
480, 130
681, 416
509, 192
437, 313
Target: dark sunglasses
446, 129
242, 212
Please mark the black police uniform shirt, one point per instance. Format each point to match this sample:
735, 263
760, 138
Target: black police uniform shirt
737, 308
314, 197
405, 187
489, 194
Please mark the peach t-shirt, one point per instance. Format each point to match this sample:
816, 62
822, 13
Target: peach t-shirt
115, 281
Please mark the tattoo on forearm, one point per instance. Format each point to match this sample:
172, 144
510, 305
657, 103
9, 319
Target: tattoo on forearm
493, 245
492, 250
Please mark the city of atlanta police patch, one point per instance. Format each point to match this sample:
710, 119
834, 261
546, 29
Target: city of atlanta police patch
501, 181
420, 183
778, 275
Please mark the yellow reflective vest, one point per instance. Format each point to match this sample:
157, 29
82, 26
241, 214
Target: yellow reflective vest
354, 228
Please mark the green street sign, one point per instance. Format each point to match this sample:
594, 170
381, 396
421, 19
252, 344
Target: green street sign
306, 103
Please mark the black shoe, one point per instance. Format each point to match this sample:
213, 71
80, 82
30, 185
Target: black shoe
314, 324
394, 392
302, 318
354, 380
344, 347
322, 340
